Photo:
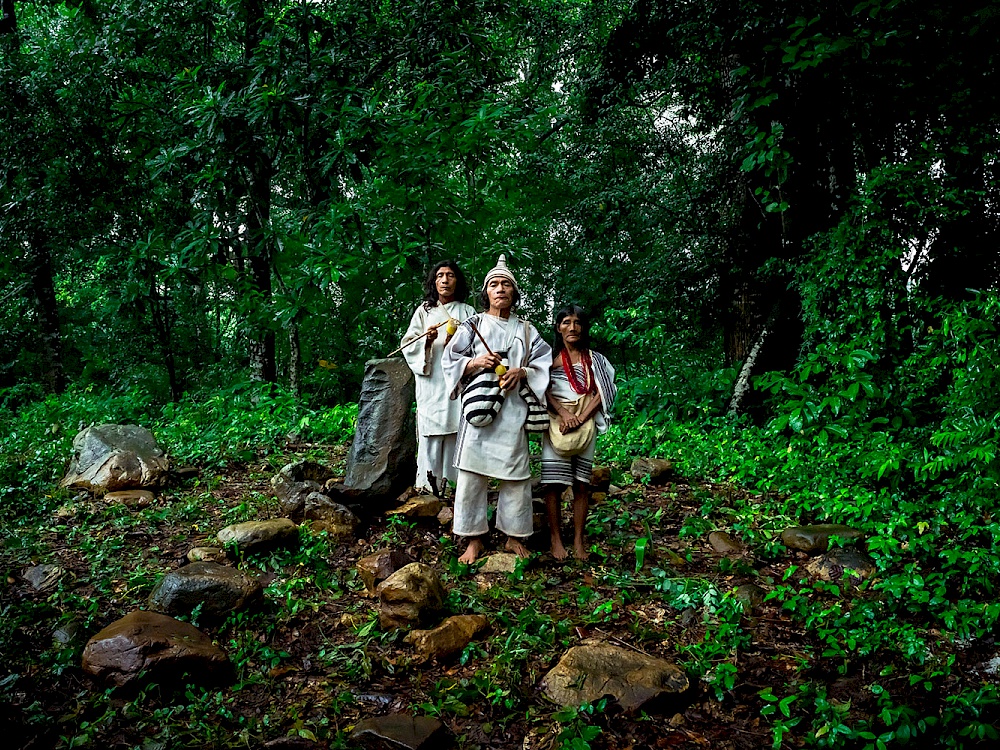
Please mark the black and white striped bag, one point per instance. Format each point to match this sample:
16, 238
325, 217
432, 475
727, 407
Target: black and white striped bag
482, 398
538, 416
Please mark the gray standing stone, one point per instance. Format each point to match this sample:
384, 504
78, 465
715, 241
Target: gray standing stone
111, 457
382, 460
409, 596
588, 672
163, 648
816, 538
400, 732
218, 589
256, 536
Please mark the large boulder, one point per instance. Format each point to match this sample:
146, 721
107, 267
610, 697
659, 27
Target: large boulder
382, 460
259, 536
409, 596
163, 648
218, 589
588, 672
112, 457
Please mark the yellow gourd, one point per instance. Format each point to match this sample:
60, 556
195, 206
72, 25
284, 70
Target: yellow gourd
451, 327
500, 370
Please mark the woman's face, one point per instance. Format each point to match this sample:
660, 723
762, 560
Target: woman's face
500, 292
445, 282
571, 330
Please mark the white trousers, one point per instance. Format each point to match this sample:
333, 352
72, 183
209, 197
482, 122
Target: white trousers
514, 513
436, 454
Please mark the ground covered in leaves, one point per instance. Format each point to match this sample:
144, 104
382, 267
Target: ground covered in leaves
312, 661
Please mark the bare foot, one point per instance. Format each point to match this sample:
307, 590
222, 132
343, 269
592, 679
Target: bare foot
558, 551
472, 552
517, 547
580, 552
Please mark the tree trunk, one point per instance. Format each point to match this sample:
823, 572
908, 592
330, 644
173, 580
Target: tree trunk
44, 296
294, 359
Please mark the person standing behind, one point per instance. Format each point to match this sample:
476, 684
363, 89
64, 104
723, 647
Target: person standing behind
437, 415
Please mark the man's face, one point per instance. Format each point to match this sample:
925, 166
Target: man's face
500, 292
446, 282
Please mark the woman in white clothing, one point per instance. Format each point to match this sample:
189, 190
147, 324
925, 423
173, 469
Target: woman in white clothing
437, 414
499, 449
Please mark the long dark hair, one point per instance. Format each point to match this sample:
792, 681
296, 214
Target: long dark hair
430, 288
584, 319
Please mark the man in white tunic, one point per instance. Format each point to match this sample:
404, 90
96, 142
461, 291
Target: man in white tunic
437, 414
499, 449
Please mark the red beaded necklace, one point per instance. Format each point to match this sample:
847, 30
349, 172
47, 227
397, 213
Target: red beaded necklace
588, 376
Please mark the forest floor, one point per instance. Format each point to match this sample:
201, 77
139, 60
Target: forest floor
312, 661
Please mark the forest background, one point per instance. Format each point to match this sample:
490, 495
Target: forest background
214, 211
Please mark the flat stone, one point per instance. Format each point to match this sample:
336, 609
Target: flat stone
207, 554
600, 478
816, 538
500, 562
588, 672
421, 506
448, 638
162, 648
658, 470
409, 596
111, 457
131, 498
834, 564
723, 544
400, 732
217, 589
256, 536
378, 566
337, 520
43, 577
446, 515
750, 595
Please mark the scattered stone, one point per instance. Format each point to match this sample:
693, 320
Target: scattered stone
65, 511
400, 732
291, 742
499, 562
614, 489
833, 565
723, 544
750, 595
162, 647
421, 506
185, 472
111, 457
600, 478
353, 619
817, 538
43, 577
657, 469
382, 459
409, 596
207, 554
293, 484
446, 515
448, 638
66, 633
131, 498
590, 671
338, 520
218, 589
676, 560
256, 536
598, 497
378, 566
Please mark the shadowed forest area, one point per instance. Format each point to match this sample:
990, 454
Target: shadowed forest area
783, 218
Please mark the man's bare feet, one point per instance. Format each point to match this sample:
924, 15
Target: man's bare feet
517, 547
558, 550
472, 552
580, 551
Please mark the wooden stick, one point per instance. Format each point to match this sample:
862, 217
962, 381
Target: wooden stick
432, 328
473, 325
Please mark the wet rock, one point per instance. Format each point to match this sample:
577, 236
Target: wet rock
163, 648
500, 562
378, 566
600, 478
816, 538
338, 520
723, 544
410, 595
111, 457
130, 498
43, 577
257, 536
750, 595
658, 470
207, 554
401, 732
293, 484
382, 460
448, 638
218, 589
590, 671
832, 566
446, 515
421, 506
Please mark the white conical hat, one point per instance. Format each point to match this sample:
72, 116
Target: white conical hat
500, 269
